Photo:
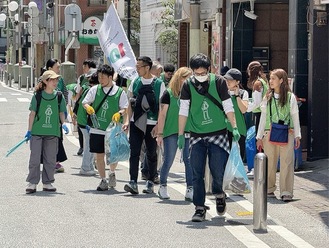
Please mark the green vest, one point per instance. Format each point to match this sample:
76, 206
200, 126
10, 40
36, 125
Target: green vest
265, 88
61, 85
84, 83
239, 118
109, 107
205, 116
82, 115
156, 87
71, 87
278, 113
48, 122
171, 122
162, 77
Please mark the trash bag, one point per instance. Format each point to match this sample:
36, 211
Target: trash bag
235, 176
117, 146
251, 147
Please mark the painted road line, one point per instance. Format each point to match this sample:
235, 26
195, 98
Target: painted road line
16, 94
290, 236
23, 99
3, 99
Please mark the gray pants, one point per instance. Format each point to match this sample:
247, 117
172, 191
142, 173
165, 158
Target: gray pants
47, 147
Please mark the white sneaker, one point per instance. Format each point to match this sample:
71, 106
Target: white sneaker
250, 174
49, 187
112, 180
87, 173
163, 192
189, 194
31, 188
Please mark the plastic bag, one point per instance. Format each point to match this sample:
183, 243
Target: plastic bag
235, 177
251, 147
117, 145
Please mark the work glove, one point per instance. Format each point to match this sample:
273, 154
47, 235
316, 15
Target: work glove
236, 134
90, 110
116, 117
66, 129
181, 141
28, 135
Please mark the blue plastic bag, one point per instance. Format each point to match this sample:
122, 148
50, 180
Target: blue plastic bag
235, 176
117, 144
251, 147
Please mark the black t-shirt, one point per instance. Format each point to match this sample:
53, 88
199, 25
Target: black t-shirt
165, 99
121, 82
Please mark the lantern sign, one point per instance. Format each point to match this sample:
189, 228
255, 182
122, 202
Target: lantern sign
88, 33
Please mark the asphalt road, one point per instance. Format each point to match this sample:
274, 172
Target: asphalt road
79, 216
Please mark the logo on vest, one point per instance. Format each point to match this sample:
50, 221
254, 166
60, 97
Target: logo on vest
48, 114
105, 107
205, 112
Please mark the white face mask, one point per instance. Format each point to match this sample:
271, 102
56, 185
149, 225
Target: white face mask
201, 79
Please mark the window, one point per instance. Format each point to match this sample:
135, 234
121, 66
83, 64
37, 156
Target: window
96, 2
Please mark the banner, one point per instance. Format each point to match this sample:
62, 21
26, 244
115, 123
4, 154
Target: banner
115, 45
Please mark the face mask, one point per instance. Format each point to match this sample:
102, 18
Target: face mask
201, 79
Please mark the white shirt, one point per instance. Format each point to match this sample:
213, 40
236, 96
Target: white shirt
294, 115
90, 98
146, 82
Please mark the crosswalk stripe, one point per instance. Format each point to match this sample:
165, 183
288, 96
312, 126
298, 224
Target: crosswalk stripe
23, 99
3, 99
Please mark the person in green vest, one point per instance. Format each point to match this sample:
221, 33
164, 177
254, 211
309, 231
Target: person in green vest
87, 165
279, 106
240, 103
207, 125
44, 128
54, 65
144, 93
257, 82
109, 103
88, 68
167, 135
167, 74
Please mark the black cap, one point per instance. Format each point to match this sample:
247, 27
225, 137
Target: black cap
223, 70
233, 74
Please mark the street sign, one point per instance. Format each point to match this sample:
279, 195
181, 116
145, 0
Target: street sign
73, 18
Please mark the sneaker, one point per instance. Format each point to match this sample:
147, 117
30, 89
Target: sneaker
49, 187
103, 185
59, 168
250, 174
271, 195
163, 192
149, 187
238, 185
131, 187
87, 173
31, 188
156, 179
144, 176
200, 214
80, 151
189, 194
220, 205
286, 198
112, 180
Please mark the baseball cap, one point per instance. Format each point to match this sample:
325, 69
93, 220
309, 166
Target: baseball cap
91, 72
233, 74
49, 74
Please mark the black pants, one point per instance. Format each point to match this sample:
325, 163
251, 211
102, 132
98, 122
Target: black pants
136, 137
80, 137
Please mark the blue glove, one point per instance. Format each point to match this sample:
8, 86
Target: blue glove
65, 115
181, 141
88, 128
28, 135
236, 134
66, 129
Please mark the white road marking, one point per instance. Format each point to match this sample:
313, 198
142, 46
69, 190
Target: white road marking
3, 99
16, 94
23, 99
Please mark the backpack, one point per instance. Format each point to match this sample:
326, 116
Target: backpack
38, 97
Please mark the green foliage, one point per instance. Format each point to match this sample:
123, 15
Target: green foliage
169, 37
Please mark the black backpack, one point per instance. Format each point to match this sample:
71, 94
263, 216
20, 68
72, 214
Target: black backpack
38, 97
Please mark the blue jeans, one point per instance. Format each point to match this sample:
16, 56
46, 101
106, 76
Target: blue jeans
88, 157
170, 148
217, 163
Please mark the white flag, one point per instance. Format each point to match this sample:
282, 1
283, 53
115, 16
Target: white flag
116, 46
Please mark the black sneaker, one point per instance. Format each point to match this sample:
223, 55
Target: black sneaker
220, 205
131, 187
200, 214
80, 151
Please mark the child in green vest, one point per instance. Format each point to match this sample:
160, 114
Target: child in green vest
44, 129
279, 106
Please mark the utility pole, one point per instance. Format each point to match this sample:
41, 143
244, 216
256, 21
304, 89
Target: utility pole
56, 30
